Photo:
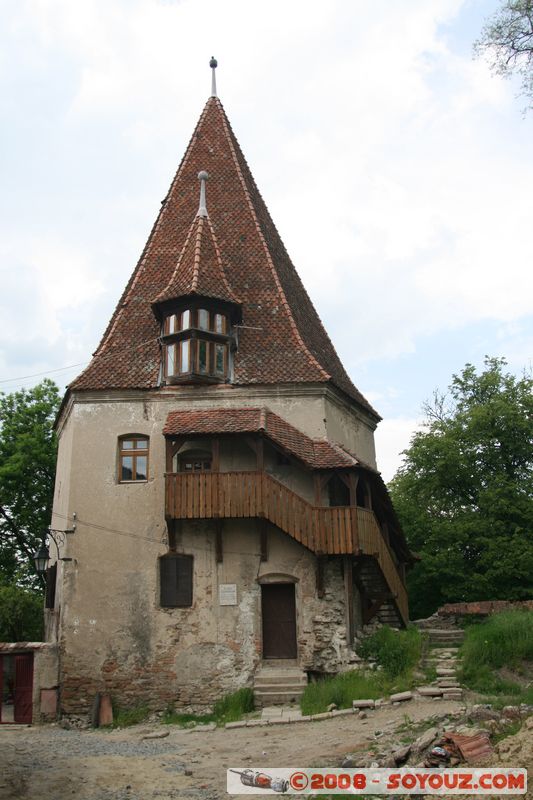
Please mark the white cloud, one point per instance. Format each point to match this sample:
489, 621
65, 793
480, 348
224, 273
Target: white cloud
393, 165
392, 438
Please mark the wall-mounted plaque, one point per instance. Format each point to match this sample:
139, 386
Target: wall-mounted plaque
227, 594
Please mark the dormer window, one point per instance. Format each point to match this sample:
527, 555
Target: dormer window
196, 344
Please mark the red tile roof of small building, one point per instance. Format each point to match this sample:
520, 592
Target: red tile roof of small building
315, 453
199, 269
282, 340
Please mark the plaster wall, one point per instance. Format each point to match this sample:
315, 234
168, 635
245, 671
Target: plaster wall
351, 428
114, 635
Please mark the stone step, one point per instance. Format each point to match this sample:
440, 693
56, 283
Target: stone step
279, 686
277, 698
266, 677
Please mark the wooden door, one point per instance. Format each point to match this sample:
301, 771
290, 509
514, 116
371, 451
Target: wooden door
278, 606
23, 687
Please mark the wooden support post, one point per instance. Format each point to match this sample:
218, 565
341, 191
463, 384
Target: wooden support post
348, 598
263, 539
215, 449
218, 541
173, 445
318, 489
260, 454
353, 481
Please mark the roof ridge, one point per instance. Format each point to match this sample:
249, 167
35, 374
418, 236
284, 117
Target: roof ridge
270, 261
197, 253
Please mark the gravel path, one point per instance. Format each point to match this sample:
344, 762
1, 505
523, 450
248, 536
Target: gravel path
49, 763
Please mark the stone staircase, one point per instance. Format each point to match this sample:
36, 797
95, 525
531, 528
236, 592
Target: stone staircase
278, 685
442, 656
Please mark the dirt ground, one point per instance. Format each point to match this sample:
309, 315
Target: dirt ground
50, 763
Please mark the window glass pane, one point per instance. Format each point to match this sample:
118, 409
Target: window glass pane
202, 356
141, 444
203, 319
171, 362
185, 320
127, 468
219, 358
140, 468
220, 323
184, 355
127, 444
187, 466
171, 324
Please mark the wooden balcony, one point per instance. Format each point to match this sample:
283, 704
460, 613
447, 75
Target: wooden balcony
346, 530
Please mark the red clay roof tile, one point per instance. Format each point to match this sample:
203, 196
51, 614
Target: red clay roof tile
315, 453
283, 339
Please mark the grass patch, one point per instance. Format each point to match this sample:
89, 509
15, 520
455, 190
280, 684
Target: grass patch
234, 706
125, 717
171, 717
348, 686
395, 651
230, 708
502, 640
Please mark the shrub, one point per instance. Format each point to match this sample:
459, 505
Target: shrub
396, 651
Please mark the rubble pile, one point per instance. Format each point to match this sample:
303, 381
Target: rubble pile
463, 737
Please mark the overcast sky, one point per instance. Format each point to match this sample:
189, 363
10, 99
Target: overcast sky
398, 171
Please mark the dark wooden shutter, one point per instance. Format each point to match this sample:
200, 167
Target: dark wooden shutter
51, 578
175, 575
184, 580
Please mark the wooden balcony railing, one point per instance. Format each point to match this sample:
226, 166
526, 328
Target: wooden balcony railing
344, 530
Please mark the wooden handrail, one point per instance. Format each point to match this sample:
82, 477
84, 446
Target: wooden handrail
338, 530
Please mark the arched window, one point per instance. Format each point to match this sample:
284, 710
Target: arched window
133, 458
194, 461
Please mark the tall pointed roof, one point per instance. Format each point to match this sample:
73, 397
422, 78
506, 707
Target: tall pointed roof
282, 340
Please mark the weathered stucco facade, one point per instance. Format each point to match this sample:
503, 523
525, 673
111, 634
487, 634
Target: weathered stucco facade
261, 469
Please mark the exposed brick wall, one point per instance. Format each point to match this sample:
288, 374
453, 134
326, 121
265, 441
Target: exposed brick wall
483, 607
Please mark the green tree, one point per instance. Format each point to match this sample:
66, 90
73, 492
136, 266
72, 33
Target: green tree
21, 614
27, 469
506, 40
464, 493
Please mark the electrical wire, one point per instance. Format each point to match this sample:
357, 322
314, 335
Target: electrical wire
48, 372
77, 521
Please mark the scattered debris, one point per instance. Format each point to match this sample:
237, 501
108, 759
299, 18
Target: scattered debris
156, 735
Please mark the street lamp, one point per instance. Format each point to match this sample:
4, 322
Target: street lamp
42, 556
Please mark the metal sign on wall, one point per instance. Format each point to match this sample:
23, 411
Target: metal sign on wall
227, 594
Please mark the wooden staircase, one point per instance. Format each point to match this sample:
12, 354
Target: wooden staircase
376, 595
339, 530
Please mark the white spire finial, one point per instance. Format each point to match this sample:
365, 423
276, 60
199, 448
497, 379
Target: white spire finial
202, 208
213, 64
